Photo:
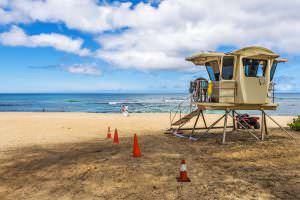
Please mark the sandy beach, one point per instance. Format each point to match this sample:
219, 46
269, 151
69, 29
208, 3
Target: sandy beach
66, 156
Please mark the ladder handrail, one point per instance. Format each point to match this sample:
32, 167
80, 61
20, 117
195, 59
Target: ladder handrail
179, 109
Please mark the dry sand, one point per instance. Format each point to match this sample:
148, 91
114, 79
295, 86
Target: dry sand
66, 156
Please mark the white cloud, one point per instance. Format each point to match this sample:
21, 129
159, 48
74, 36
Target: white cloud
160, 37
17, 37
84, 15
7, 17
142, 60
85, 69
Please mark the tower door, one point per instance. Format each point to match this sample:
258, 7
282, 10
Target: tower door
255, 82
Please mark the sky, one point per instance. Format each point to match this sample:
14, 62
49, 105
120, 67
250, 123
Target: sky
136, 46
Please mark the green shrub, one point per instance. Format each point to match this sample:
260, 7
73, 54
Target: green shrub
295, 125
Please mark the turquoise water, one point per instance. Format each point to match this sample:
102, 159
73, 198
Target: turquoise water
289, 103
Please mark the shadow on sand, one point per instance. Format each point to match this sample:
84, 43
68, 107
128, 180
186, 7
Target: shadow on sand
98, 169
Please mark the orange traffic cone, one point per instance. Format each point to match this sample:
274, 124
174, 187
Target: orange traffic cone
108, 136
116, 137
183, 173
136, 148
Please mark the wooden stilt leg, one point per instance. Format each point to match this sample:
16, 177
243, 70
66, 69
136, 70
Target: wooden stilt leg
265, 123
262, 125
203, 119
225, 125
233, 121
192, 133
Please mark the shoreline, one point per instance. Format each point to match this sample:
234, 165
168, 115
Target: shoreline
160, 112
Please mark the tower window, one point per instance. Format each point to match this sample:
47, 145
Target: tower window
227, 68
254, 67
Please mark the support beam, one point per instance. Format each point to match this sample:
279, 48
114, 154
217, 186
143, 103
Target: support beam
265, 121
262, 125
202, 128
213, 124
225, 125
203, 118
279, 125
192, 133
233, 120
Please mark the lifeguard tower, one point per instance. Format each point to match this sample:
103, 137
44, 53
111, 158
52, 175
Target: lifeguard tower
239, 80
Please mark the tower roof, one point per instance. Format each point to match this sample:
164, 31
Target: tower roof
252, 51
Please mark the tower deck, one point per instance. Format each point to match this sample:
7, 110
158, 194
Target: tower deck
231, 106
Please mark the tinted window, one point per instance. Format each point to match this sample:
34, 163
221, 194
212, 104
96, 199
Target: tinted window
210, 72
213, 70
227, 69
273, 69
254, 67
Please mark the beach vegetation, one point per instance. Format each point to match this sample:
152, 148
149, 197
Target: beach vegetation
295, 125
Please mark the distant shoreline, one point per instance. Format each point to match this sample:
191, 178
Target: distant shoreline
289, 103
211, 113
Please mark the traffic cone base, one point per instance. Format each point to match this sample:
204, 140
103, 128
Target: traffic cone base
116, 137
136, 148
183, 173
179, 179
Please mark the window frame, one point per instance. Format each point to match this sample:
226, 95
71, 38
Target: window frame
233, 67
256, 69
272, 72
214, 74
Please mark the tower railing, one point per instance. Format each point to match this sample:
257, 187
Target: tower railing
183, 107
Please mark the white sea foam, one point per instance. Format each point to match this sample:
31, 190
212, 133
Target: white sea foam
173, 100
114, 103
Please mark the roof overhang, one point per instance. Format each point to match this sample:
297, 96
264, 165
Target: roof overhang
281, 60
202, 58
254, 52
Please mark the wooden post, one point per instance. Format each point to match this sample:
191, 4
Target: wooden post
233, 121
213, 124
192, 133
265, 122
279, 126
262, 125
225, 125
203, 119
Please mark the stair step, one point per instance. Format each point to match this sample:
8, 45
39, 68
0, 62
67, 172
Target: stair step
186, 118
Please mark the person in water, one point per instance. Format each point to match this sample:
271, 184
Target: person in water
124, 110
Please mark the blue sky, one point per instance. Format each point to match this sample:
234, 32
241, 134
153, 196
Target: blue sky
135, 46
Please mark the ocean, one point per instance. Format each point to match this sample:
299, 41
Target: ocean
289, 103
